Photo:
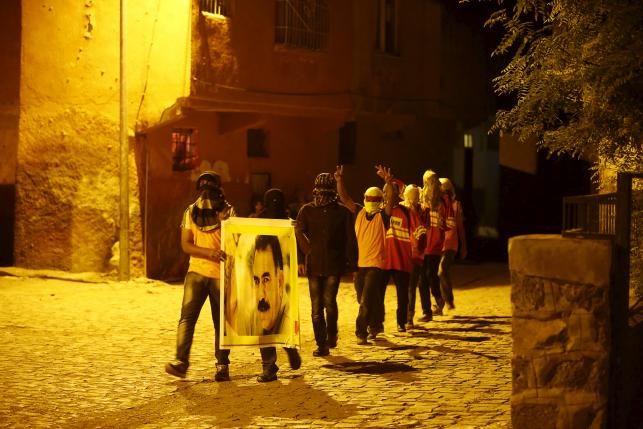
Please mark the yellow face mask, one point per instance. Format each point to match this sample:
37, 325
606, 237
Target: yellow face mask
373, 200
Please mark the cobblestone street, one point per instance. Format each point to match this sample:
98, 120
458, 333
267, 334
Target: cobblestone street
91, 354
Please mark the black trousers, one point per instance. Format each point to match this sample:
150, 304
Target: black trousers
323, 297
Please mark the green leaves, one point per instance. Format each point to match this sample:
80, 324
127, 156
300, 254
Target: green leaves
575, 69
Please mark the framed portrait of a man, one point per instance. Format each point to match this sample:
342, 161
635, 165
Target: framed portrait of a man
259, 296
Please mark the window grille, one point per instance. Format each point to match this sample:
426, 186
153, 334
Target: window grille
302, 23
215, 7
386, 34
185, 153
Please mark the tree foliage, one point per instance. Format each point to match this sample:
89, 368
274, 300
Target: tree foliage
574, 70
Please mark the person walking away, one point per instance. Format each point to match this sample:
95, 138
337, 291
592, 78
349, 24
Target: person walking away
417, 279
274, 204
398, 247
201, 239
454, 241
326, 235
434, 213
370, 230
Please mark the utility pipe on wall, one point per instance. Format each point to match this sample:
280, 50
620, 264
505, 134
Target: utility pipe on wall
124, 152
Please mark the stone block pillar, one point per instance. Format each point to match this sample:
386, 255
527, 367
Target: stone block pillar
560, 329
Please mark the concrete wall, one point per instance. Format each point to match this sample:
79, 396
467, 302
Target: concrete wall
560, 330
67, 177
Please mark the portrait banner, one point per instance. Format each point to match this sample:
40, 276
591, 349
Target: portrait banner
259, 296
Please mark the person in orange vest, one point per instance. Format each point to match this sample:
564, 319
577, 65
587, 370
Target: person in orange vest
370, 230
454, 241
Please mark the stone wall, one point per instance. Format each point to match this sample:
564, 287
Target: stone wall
560, 329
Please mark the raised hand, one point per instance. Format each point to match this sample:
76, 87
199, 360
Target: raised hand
384, 173
339, 173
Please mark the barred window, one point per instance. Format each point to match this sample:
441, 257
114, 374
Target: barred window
185, 152
215, 7
386, 33
302, 23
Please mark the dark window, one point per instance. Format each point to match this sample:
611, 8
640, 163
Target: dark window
386, 33
185, 153
257, 147
347, 143
302, 23
215, 7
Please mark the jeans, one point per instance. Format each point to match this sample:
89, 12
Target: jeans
417, 280
444, 273
323, 296
401, 280
195, 291
431, 267
368, 283
269, 358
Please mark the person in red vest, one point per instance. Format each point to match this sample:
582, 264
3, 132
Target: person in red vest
433, 215
417, 280
454, 240
402, 222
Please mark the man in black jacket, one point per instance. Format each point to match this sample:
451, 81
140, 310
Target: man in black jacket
326, 235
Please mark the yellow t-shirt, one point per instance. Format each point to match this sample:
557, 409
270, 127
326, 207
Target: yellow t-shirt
208, 239
370, 240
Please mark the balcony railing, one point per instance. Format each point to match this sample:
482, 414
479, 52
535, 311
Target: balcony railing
589, 216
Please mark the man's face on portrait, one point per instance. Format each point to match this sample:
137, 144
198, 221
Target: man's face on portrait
268, 286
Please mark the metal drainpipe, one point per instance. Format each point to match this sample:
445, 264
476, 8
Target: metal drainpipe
124, 152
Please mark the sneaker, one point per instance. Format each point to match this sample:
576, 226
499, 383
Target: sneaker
331, 341
373, 333
425, 318
362, 341
294, 359
409, 326
321, 351
222, 374
176, 368
437, 311
400, 328
265, 378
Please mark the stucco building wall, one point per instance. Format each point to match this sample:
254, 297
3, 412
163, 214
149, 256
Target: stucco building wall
219, 76
68, 146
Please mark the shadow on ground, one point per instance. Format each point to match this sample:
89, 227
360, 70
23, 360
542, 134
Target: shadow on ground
393, 371
230, 404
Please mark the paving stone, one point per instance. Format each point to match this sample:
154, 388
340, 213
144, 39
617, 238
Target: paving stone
92, 355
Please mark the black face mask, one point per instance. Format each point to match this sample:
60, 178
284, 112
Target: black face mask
215, 195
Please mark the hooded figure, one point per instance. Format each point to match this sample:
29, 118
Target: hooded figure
411, 195
324, 190
373, 200
274, 204
211, 201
